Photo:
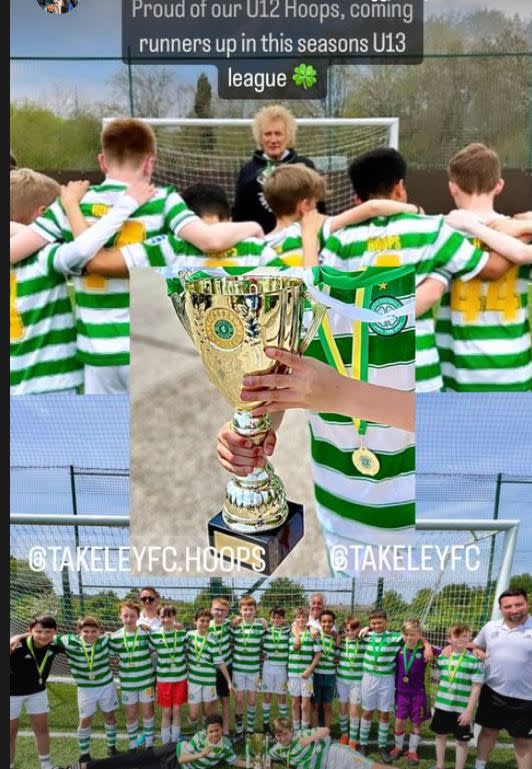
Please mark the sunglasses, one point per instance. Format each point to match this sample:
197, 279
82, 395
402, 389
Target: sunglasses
147, 598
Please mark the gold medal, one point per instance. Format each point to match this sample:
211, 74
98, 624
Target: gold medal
91, 676
365, 461
405, 679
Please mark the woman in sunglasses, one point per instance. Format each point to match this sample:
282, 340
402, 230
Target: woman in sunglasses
150, 600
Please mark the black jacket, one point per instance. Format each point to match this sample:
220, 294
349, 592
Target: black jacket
250, 204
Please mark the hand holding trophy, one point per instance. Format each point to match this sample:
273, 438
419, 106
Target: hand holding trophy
231, 319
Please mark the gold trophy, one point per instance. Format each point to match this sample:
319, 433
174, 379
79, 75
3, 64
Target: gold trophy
257, 753
231, 320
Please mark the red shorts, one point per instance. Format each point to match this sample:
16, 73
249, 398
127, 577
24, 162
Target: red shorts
169, 694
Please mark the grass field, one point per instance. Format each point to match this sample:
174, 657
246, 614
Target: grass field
63, 718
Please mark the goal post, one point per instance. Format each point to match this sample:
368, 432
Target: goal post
191, 150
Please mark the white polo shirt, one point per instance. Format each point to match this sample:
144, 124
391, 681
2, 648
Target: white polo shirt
508, 669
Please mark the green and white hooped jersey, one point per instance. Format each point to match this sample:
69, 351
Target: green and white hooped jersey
247, 642
329, 655
42, 328
223, 635
457, 675
311, 756
353, 507
350, 663
89, 664
300, 659
275, 645
203, 656
102, 304
168, 251
425, 242
483, 333
380, 652
135, 669
170, 649
220, 754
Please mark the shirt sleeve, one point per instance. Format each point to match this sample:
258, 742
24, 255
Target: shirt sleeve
53, 224
453, 252
478, 675
177, 214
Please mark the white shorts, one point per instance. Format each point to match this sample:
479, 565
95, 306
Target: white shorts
35, 704
105, 380
198, 693
274, 678
343, 757
378, 692
140, 695
244, 682
91, 699
351, 693
300, 687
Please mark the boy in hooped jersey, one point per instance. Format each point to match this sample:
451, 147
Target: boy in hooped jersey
128, 154
204, 658
247, 632
88, 658
482, 328
131, 645
275, 645
348, 681
168, 641
303, 655
220, 628
325, 671
461, 678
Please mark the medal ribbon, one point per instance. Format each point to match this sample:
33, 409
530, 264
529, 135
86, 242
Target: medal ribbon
247, 634
40, 667
327, 644
199, 654
351, 659
90, 660
377, 649
408, 662
135, 641
172, 655
452, 675
277, 637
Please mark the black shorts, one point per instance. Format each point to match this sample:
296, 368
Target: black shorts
222, 690
446, 722
496, 711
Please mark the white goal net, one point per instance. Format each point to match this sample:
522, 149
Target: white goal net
213, 150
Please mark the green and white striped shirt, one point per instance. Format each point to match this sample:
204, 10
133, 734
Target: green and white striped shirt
351, 506
102, 304
483, 333
311, 756
458, 673
425, 242
168, 251
247, 642
89, 663
380, 652
275, 645
221, 754
350, 663
203, 656
42, 328
329, 655
135, 669
300, 659
170, 648
223, 636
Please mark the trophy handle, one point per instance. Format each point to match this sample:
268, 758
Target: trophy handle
178, 300
318, 312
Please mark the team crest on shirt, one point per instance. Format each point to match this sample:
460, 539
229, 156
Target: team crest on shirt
390, 326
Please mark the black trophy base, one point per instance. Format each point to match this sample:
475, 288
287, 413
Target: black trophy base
260, 552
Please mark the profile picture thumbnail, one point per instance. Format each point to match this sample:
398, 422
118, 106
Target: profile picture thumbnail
58, 6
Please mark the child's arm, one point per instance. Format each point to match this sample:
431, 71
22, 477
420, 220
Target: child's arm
217, 237
518, 227
71, 195
369, 210
225, 672
504, 245
316, 386
428, 655
24, 244
309, 671
15, 228
320, 734
428, 293
186, 758
311, 223
466, 717
238, 455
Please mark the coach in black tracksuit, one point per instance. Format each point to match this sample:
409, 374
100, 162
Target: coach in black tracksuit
274, 130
